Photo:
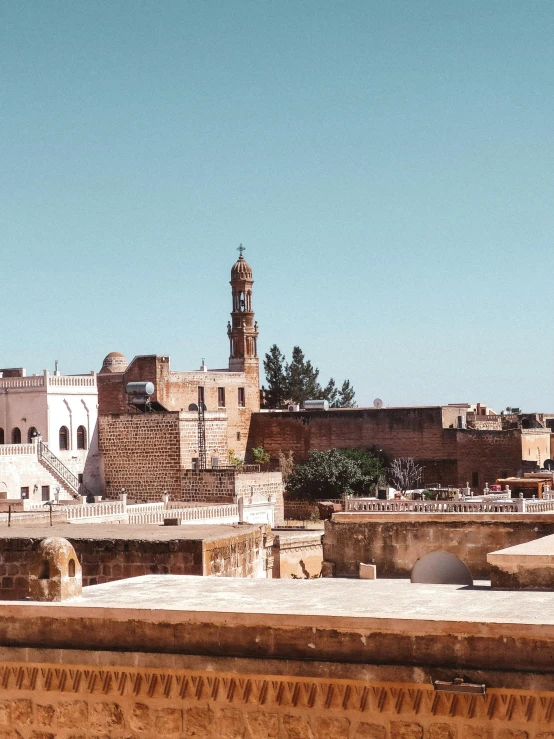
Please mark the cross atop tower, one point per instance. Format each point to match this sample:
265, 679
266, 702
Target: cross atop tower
240, 249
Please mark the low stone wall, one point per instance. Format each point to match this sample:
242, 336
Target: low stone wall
527, 566
395, 541
301, 510
202, 486
243, 552
297, 554
262, 484
114, 670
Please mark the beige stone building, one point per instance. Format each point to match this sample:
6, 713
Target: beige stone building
228, 658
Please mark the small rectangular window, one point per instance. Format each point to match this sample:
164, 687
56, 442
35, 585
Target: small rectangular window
200, 395
242, 401
474, 479
221, 397
238, 435
46, 492
25, 493
80, 477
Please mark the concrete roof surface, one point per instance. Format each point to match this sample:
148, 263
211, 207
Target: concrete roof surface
537, 547
145, 532
375, 599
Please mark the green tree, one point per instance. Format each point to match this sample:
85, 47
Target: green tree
345, 396
276, 393
334, 473
299, 381
302, 377
259, 455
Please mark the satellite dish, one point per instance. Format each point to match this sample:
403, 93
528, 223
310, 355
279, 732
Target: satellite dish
377, 403
549, 464
193, 407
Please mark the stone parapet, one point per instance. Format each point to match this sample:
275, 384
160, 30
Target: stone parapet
395, 541
338, 669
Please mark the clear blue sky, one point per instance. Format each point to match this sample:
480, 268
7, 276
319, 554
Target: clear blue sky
388, 165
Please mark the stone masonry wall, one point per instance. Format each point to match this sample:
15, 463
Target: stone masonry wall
141, 453
177, 390
263, 483
394, 542
492, 454
78, 697
414, 432
449, 456
241, 554
216, 438
203, 486
399, 432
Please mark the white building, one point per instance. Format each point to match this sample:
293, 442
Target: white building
48, 435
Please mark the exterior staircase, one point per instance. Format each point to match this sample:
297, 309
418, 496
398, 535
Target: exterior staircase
67, 480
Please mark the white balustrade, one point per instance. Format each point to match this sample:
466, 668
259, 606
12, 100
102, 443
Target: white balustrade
72, 381
372, 505
9, 450
19, 382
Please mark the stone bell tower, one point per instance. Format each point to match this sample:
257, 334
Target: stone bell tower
242, 330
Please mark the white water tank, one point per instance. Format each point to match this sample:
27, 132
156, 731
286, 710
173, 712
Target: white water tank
316, 405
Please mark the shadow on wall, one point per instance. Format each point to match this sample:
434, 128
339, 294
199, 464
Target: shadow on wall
441, 568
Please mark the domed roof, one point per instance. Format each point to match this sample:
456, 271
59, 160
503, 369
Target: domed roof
241, 270
114, 362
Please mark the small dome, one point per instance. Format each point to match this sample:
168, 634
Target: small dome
114, 362
241, 270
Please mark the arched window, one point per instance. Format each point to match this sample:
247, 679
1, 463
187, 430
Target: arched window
71, 568
64, 439
16, 435
2, 438
81, 438
31, 434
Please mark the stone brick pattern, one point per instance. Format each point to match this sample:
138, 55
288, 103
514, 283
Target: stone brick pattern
103, 560
47, 701
449, 455
215, 425
201, 486
394, 542
247, 555
301, 510
490, 453
177, 390
141, 453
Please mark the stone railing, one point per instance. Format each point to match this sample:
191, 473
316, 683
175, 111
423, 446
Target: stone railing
8, 450
104, 509
250, 510
240, 469
227, 513
371, 505
538, 506
18, 382
72, 381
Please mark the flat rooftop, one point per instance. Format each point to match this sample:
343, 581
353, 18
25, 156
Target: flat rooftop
323, 598
382, 622
127, 532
